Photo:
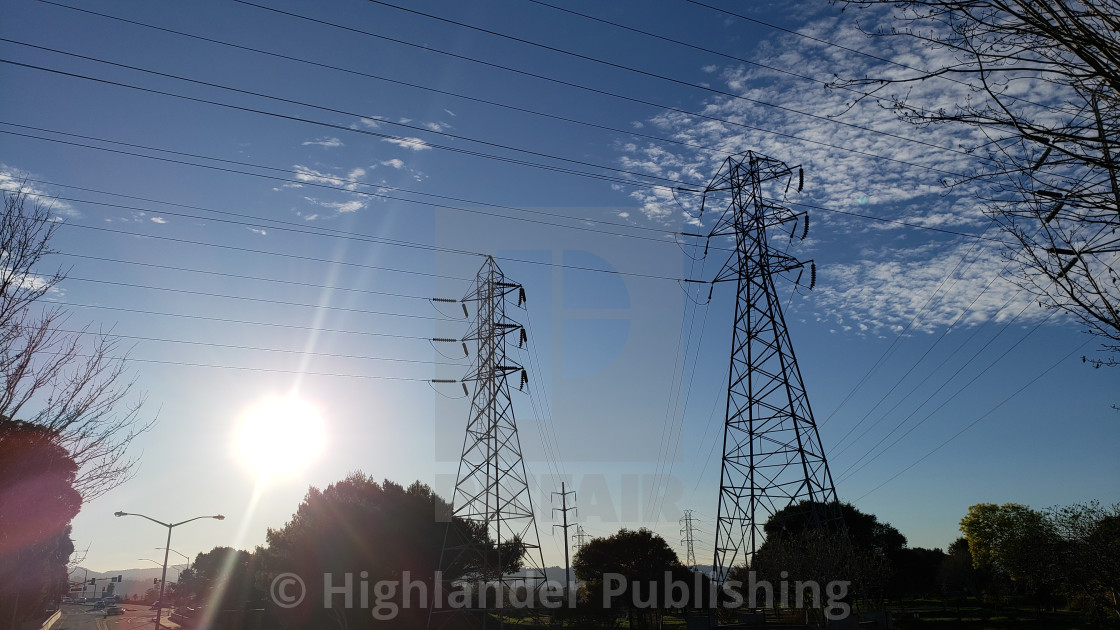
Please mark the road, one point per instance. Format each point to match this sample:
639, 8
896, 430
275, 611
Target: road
84, 617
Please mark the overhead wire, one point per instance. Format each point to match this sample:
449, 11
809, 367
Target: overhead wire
344, 128
417, 86
348, 187
990, 411
211, 344
852, 468
661, 106
246, 298
667, 78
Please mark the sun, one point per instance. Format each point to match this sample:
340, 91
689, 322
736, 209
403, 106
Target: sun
280, 435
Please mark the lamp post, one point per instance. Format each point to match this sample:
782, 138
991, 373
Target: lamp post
166, 552
184, 556
173, 568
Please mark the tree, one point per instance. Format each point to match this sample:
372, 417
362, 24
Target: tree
70, 384
862, 550
641, 559
1040, 82
37, 503
220, 577
357, 526
1015, 542
1089, 565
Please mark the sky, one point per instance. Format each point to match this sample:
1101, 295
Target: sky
260, 200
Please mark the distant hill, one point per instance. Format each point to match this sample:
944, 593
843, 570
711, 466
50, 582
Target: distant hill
134, 581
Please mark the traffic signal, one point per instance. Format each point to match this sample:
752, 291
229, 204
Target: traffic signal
93, 581
119, 578
155, 580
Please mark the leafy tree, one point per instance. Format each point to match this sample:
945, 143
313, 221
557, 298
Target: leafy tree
37, 503
1014, 542
221, 577
861, 549
70, 384
1040, 84
1089, 564
641, 558
360, 527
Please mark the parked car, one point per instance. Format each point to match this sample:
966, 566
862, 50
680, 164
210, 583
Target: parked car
80, 600
98, 605
114, 610
67, 600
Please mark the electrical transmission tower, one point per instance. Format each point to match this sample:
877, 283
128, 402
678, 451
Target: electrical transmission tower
581, 537
686, 531
772, 455
491, 489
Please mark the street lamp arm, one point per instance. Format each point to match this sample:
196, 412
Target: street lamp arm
149, 518
213, 516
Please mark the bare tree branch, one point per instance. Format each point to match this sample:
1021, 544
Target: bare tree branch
71, 384
1043, 78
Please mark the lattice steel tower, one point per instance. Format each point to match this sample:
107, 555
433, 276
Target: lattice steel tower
491, 488
772, 455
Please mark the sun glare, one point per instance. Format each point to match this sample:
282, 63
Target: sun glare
280, 435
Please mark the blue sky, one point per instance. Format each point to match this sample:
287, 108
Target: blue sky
267, 224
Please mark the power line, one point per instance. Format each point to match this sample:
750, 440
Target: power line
211, 344
305, 182
589, 89
243, 277
852, 470
417, 86
663, 77
229, 320
893, 62
977, 420
260, 300
256, 369
345, 128
684, 44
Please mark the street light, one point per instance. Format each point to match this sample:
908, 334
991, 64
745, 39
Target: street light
177, 571
184, 556
169, 526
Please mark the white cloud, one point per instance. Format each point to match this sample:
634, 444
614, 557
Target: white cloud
709, 68
877, 275
416, 144
347, 182
450, 113
257, 231
344, 206
326, 143
13, 180
160, 220
395, 163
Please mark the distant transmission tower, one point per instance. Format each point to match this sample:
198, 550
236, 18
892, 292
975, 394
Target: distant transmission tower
772, 455
686, 531
491, 488
581, 537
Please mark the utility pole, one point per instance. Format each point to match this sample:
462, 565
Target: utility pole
772, 453
564, 492
686, 530
492, 488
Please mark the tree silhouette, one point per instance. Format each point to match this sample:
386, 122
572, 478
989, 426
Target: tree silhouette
37, 502
642, 559
376, 532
